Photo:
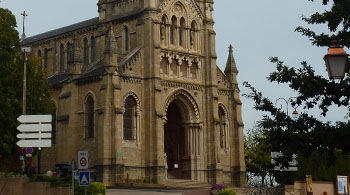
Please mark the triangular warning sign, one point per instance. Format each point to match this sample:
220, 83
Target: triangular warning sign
84, 180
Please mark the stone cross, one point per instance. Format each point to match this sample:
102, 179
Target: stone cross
24, 14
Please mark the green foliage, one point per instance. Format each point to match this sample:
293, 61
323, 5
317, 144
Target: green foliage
337, 19
54, 181
9, 81
11, 78
314, 141
227, 192
258, 158
328, 165
97, 188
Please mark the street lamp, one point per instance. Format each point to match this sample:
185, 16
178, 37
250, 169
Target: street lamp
336, 61
295, 113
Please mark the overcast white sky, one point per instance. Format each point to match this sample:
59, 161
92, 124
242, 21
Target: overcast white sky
257, 30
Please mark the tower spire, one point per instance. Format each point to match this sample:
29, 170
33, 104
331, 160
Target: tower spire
24, 14
231, 64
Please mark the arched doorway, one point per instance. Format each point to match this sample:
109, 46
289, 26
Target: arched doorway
175, 143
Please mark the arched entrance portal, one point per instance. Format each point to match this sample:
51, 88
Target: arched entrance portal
183, 138
175, 143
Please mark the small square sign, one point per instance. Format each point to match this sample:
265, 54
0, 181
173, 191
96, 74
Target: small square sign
84, 178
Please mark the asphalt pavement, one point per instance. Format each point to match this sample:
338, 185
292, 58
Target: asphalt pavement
157, 192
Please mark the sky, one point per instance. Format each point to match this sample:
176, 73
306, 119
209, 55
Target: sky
256, 29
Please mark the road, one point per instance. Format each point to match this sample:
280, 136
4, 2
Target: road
156, 192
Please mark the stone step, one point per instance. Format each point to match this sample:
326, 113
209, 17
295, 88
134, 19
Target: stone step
187, 184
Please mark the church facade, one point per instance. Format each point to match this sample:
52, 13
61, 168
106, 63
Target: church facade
139, 89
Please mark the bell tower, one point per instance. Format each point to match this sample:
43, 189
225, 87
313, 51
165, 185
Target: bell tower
111, 9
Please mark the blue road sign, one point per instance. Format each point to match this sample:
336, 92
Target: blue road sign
84, 178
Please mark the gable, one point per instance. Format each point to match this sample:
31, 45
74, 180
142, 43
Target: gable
190, 6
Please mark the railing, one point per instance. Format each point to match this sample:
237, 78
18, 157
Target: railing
270, 191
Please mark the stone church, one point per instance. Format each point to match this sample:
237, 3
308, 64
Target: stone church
138, 87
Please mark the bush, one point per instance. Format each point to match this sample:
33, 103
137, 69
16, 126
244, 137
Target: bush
97, 188
54, 181
227, 192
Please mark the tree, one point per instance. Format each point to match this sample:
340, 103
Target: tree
11, 77
308, 135
9, 80
258, 158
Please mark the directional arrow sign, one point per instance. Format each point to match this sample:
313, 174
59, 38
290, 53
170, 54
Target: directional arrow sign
34, 127
34, 143
35, 118
34, 135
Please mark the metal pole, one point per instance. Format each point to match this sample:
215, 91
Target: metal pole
85, 191
39, 151
73, 177
24, 100
24, 108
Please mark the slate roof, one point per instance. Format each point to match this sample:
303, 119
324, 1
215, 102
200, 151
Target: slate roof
60, 31
97, 72
57, 79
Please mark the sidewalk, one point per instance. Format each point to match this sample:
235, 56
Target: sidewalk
156, 192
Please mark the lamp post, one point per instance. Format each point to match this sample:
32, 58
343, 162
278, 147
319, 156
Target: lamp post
336, 61
295, 113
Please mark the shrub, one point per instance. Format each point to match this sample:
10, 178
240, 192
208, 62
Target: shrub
97, 188
54, 181
227, 192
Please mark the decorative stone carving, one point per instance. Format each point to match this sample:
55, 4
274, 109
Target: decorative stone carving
138, 102
187, 99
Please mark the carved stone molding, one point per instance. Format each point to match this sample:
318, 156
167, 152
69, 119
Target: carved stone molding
181, 85
138, 102
188, 101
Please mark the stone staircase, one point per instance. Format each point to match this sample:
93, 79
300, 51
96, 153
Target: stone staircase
185, 184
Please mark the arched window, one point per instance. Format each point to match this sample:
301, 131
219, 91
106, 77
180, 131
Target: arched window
193, 33
182, 32
173, 30
45, 57
130, 118
223, 127
40, 64
163, 28
61, 58
53, 125
93, 49
126, 34
90, 117
69, 51
86, 51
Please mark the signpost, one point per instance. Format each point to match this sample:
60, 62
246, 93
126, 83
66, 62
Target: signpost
342, 185
84, 176
309, 185
292, 165
83, 159
36, 132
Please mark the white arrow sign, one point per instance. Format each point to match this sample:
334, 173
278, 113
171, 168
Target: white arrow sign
34, 143
34, 135
35, 118
34, 127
